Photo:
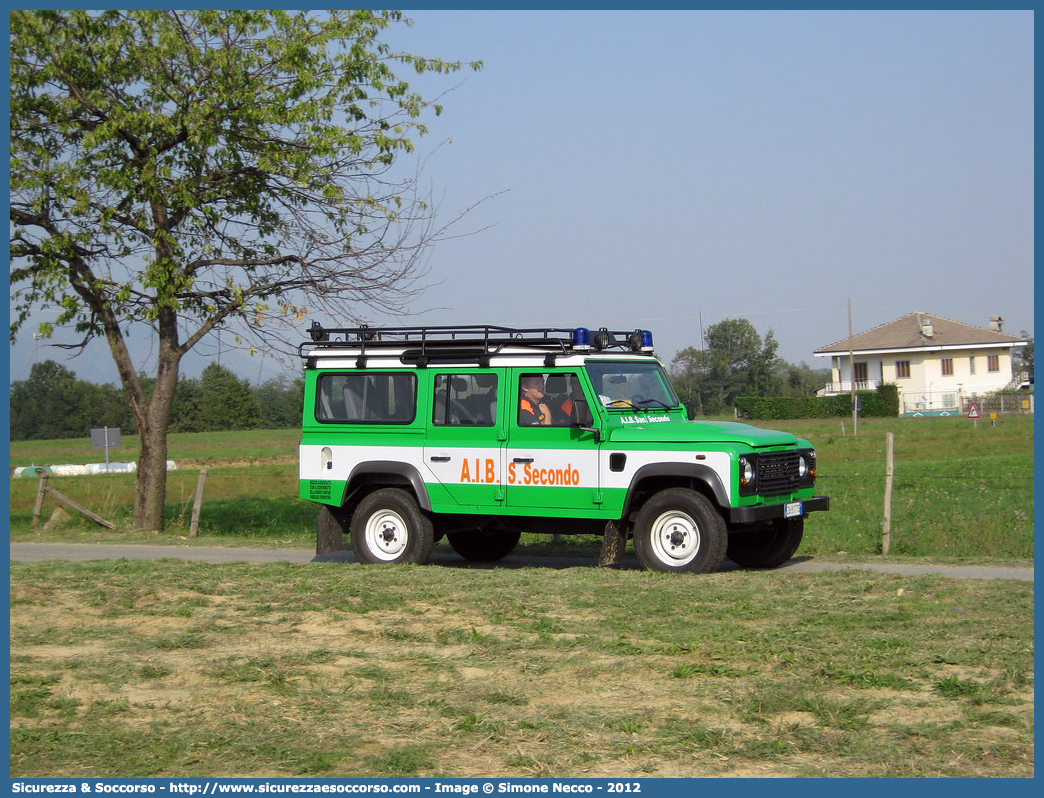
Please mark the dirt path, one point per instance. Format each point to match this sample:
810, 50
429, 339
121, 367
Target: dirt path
30, 552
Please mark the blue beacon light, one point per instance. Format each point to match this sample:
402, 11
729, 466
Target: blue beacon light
581, 338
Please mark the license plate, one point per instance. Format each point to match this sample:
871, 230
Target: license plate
792, 510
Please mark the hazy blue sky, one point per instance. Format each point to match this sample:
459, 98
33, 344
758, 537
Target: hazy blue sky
657, 166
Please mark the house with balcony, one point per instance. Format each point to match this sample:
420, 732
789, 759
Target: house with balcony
938, 364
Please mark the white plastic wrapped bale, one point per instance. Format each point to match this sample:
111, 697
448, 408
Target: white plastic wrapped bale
69, 470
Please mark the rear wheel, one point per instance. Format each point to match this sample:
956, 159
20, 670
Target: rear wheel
678, 530
476, 544
389, 527
766, 548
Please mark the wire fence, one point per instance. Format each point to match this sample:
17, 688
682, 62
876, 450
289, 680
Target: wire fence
1000, 403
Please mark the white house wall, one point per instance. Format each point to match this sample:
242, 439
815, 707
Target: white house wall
926, 371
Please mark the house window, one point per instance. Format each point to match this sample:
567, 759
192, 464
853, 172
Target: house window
993, 362
947, 366
860, 372
971, 364
902, 369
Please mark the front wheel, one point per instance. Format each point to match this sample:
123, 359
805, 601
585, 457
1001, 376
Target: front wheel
475, 544
389, 527
766, 548
678, 530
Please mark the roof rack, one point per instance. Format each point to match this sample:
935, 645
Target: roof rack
428, 343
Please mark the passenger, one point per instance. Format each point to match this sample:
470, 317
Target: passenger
566, 407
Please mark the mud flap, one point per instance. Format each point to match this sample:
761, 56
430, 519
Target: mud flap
330, 530
613, 543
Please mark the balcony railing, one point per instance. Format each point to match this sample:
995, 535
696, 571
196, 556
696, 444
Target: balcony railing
845, 386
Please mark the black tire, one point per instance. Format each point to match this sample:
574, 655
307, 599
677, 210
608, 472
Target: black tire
330, 529
769, 547
679, 531
389, 528
475, 544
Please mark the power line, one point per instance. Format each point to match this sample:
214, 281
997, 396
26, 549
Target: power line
697, 317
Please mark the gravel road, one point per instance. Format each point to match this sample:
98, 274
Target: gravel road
32, 552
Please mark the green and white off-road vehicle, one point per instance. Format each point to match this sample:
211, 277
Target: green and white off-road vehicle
480, 433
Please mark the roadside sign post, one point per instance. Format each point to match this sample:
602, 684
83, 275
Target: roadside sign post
973, 414
105, 438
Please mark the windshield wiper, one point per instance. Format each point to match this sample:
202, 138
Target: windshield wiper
644, 402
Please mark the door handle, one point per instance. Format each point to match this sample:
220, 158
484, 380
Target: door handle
522, 460
441, 458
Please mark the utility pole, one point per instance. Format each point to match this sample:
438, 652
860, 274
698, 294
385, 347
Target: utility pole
851, 373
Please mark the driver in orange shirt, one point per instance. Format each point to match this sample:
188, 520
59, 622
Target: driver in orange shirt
532, 410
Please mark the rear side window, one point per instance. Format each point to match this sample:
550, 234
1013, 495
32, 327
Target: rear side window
367, 398
464, 400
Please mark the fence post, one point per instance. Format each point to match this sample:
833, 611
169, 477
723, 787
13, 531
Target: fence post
39, 498
197, 504
886, 531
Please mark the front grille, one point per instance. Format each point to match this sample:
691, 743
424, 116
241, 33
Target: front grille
778, 473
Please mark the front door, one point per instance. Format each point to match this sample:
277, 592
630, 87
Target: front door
549, 464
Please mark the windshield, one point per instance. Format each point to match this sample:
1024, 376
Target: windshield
631, 384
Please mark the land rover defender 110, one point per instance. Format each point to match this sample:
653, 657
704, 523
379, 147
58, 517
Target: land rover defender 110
480, 433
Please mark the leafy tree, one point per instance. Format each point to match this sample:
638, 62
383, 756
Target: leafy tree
735, 362
800, 380
280, 401
190, 170
186, 413
39, 405
227, 402
52, 403
689, 374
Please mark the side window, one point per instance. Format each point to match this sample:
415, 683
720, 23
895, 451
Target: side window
547, 399
464, 400
367, 398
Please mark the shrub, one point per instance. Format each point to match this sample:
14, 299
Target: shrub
883, 402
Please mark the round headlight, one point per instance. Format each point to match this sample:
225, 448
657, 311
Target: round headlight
746, 469
802, 466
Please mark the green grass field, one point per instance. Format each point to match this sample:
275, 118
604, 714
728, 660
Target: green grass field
175, 669
960, 490
172, 669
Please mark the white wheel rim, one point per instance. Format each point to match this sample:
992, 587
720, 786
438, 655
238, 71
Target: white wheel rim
386, 535
675, 538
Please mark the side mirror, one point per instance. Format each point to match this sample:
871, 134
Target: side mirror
581, 416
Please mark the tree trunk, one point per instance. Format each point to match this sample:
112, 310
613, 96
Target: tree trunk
152, 482
151, 496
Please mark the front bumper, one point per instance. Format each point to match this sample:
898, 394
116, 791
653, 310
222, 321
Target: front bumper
767, 512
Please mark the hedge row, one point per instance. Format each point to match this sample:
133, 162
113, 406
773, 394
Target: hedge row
882, 402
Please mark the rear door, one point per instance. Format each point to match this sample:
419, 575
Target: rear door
464, 445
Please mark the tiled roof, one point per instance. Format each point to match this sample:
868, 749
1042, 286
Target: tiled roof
909, 333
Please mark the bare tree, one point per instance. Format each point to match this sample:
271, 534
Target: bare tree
196, 170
